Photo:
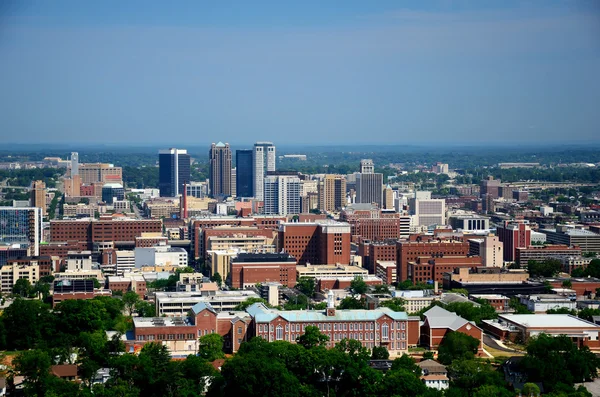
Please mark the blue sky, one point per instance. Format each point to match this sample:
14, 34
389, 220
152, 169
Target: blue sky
150, 72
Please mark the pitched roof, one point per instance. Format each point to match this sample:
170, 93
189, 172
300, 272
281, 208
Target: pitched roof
438, 317
198, 307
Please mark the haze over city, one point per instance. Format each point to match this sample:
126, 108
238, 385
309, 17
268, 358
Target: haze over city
310, 73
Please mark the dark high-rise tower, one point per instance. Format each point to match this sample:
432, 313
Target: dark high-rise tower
174, 170
244, 173
220, 170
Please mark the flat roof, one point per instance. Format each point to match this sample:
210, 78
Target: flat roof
548, 321
488, 296
145, 322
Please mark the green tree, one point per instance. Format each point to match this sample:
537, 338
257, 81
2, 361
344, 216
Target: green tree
468, 376
312, 337
26, 323
546, 268
401, 382
562, 310
457, 345
428, 355
396, 304
518, 307
145, 309
23, 288
217, 279
351, 303
211, 347
567, 284
130, 298
380, 353
96, 283
358, 285
406, 363
34, 365
531, 390
381, 289
306, 285
249, 302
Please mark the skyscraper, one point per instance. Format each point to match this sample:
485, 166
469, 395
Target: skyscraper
282, 195
74, 163
263, 161
21, 226
369, 189
174, 171
367, 166
38, 195
220, 170
244, 173
332, 192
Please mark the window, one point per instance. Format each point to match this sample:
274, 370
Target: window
287, 327
351, 327
403, 335
239, 330
345, 327
279, 335
260, 328
393, 325
403, 325
385, 331
335, 327
360, 327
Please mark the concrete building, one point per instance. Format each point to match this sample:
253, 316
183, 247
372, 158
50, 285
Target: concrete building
491, 187
220, 170
112, 192
320, 271
249, 269
38, 196
489, 248
161, 256
541, 303
439, 168
386, 271
10, 273
332, 193
416, 300
318, 242
173, 304
470, 222
281, 195
572, 236
174, 171
388, 198
541, 253
263, 159
521, 327
91, 173
369, 189
427, 212
367, 166
117, 262
514, 234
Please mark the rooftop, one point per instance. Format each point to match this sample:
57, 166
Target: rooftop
438, 317
145, 322
548, 321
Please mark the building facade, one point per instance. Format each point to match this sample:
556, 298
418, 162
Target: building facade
318, 242
281, 195
174, 171
263, 159
220, 170
244, 173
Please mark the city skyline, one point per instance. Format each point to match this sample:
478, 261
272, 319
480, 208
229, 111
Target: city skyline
312, 74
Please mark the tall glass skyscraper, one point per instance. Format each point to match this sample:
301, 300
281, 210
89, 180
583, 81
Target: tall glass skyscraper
21, 226
244, 173
220, 170
263, 161
174, 170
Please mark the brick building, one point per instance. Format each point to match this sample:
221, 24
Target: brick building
75, 289
386, 271
540, 253
410, 251
135, 283
319, 242
428, 268
375, 224
498, 302
47, 264
342, 282
514, 234
225, 237
248, 269
440, 322
374, 251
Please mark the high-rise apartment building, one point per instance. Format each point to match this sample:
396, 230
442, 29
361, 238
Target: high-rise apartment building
244, 173
282, 195
220, 170
513, 234
324, 242
367, 166
99, 172
38, 195
489, 248
21, 226
490, 186
332, 193
263, 159
388, 198
369, 188
174, 171
233, 182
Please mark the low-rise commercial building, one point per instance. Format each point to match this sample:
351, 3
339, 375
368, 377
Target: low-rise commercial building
248, 269
179, 303
541, 253
541, 303
498, 302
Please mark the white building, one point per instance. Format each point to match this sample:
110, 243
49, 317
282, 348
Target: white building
427, 211
9, 274
282, 195
263, 159
162, 255
490, 249
179, 303
544, 302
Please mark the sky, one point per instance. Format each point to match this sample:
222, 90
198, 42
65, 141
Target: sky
304, 72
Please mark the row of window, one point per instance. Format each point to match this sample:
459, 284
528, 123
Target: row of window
166, 337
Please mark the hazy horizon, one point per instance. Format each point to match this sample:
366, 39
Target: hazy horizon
144, 73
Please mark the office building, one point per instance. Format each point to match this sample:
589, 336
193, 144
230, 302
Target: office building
585, 239
332, 193
220, 170
173, 304
197, 190
428, 268
410, 251
233, 182
388, 198
263, 159
514, 234
74, 163
174, 171
369, 189
23, 226
162, 255
491, 187
367, 166
38, 196
244, 173
282, 195
370, 223
489, 248
470, 222
542, 252
112, 192
426, 211
10, 273
249, 269
318, 242
91, 173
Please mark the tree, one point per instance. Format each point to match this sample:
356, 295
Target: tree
358, 285
23, 288
396, 304
401, 382
306, 285
428, 355
26, 323
34, 365
217, 279
562, 310
457, 345
249, 302
406, 363
545, 268
312, 337
518, 307
96, 283
380, 353
531, 390
470, 375
567, 284
381, 289
145, 309
351, 303
211, 347
130, 298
